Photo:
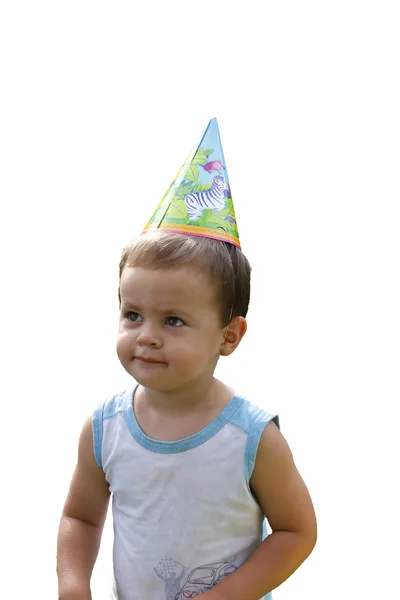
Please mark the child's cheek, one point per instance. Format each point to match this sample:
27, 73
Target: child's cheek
124, 347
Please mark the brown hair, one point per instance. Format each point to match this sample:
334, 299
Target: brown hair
225, 264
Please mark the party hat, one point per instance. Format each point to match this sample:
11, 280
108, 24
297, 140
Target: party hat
198, 201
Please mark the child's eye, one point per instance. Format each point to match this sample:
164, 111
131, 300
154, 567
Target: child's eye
174, 322
133, 317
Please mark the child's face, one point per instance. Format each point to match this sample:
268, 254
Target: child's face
170, 330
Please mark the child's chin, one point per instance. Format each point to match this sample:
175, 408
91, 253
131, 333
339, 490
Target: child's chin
158, 384
153, 382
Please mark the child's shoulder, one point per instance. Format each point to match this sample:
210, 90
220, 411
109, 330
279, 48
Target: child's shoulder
113, 405
253, 421
106, 411
250, 416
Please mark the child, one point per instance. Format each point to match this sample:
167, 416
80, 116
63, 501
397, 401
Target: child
193, 468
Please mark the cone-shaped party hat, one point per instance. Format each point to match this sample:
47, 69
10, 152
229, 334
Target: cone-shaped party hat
198, 201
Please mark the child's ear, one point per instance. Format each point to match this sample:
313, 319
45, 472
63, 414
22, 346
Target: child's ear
234, 333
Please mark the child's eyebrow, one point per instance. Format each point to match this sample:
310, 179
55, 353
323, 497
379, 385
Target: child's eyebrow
171, 310
126, 305
168, 311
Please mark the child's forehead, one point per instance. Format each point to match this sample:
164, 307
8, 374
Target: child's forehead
178, 284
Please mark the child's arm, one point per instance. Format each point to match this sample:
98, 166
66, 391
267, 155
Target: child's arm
287, 505
81, 523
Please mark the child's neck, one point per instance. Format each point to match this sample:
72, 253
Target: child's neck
172, 417
203, 395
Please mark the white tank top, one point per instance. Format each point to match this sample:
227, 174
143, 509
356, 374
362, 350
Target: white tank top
184, 516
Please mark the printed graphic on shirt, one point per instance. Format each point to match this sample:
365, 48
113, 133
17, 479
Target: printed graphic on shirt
201, 579
171, 573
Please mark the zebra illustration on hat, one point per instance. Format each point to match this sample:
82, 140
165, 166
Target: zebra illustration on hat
214, 198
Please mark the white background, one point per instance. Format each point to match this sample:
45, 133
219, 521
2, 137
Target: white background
100, 104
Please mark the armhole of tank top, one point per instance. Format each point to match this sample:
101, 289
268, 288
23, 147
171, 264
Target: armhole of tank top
97, 429
253, 440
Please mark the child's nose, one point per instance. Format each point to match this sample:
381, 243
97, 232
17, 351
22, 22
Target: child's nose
149, 336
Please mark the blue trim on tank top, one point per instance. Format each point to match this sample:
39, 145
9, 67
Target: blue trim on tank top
188, 443
97, 432
239, 413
